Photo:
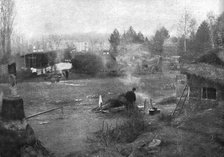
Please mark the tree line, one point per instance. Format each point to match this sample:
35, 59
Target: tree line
191, 41
131, 37
209, 35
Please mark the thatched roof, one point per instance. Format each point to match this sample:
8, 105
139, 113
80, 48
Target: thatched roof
211, 57
207, 71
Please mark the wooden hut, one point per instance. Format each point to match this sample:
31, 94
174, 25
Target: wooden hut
205, 79
36, 60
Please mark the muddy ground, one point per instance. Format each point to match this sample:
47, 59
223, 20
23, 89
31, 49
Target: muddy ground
68, 131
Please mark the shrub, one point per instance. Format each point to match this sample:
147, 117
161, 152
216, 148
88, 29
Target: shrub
87, 63
24, 74
126, 132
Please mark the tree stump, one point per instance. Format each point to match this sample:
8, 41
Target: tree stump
12, 108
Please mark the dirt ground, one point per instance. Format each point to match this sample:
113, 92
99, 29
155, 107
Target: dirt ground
67, 132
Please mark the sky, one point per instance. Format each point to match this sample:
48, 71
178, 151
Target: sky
41, 17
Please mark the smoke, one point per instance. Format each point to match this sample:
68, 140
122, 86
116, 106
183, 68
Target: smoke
130, 59
143, 96
130, 80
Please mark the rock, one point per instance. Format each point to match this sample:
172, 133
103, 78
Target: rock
154, 143
142, 140
132, 148
30, 136
28, 152
125, 151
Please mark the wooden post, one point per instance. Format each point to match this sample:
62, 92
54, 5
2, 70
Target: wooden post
145, 107
12, 108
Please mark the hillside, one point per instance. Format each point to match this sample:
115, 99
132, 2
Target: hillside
136, 58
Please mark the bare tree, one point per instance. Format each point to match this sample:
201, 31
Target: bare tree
19, 43
211, 21
7, 16
186, 26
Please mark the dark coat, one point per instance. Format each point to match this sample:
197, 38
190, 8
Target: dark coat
130, 96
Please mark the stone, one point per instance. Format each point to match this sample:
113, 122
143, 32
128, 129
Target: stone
154, 143
28, 152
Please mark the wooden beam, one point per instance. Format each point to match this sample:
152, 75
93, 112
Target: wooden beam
40, 113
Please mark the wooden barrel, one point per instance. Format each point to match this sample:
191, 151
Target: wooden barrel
12, 108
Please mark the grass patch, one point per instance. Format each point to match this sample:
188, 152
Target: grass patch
164, 117
168, 100
178, 143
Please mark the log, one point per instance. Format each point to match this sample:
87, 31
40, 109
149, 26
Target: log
12, 108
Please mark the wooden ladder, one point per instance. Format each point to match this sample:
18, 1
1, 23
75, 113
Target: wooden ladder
180, 105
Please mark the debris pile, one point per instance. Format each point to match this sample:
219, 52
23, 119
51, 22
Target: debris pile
17, 138
112, 105
145, 145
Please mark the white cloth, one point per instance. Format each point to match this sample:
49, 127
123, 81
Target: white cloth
63, 66
44, 71
100, 101
39, 71
33, 70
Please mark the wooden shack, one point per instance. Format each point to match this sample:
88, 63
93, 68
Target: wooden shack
205, 79
36, 60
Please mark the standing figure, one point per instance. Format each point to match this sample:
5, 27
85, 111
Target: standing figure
131, 98
66, 74
12, 82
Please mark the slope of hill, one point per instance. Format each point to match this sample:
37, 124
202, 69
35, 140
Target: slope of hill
132, 57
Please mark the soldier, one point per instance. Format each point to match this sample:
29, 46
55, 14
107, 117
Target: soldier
12, 83
131, 98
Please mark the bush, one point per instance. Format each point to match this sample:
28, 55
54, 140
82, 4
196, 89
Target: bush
127, 132
87, 63
24, 74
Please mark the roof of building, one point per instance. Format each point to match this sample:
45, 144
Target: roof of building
213, 57
207, 71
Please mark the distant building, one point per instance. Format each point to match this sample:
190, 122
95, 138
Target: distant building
81, 46
99, 46
36, 60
